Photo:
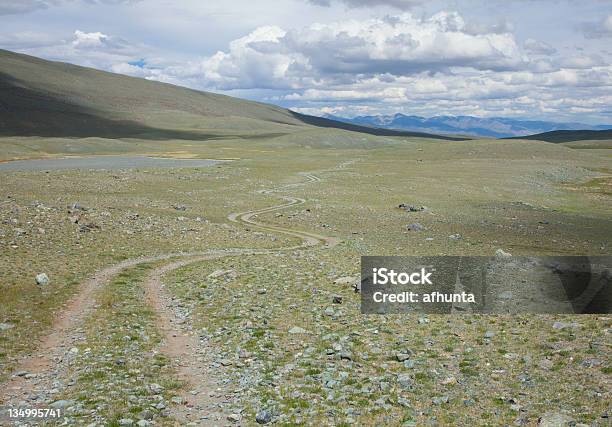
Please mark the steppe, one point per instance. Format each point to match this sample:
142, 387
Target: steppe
224, 294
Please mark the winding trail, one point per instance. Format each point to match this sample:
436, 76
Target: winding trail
203, 402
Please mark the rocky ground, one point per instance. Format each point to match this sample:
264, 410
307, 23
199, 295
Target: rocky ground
214, 318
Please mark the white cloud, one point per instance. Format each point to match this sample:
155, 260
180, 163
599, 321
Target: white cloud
427, 65
397, 45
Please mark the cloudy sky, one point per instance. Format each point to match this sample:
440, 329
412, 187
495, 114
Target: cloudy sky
533, 59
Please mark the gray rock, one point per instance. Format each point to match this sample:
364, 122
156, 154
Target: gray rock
440, 400
546, 364
411, 208
415, 227
62, 404
500, 253
564, 325
156, 388
405, 381
297, 330
455, 236
346, 355
505, 295
337, 299
263, 417
76, 206
590, 363
409, 364
143, 423
403, 402
402, 356
42, 279
329, 311
489, 334
555, 419
146, 415
346, 280
5, 326
126, 422
235, 418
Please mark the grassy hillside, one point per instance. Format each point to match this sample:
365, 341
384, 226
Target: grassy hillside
53, 99
559, 136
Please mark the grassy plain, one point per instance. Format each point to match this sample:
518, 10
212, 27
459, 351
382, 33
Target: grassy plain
525, 197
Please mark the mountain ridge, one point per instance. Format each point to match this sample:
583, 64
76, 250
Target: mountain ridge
493, 127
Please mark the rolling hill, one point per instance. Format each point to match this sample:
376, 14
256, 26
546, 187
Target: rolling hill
54, 99
560, 136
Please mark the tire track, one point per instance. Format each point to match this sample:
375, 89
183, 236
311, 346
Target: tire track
181, 345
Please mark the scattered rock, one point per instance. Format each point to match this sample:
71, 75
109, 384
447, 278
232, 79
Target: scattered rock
226, 362
564, 325
126, 422
402, 356
263, 417
555, 419
62, 404
409, 364
415, 227
489, 334
411, 208
329, 311
180, 207
500, 253
5, 326
42, 279
146, 415
590, 363
235, 418
455, 236
546, 364
297, 330
76, 206
405, 381
155, 388
346, 355
218, 273
440, 400
86, 228
346, 280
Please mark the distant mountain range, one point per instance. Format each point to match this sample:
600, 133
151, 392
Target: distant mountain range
492, 127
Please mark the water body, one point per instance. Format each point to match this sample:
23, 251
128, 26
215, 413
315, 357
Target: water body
104, 162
